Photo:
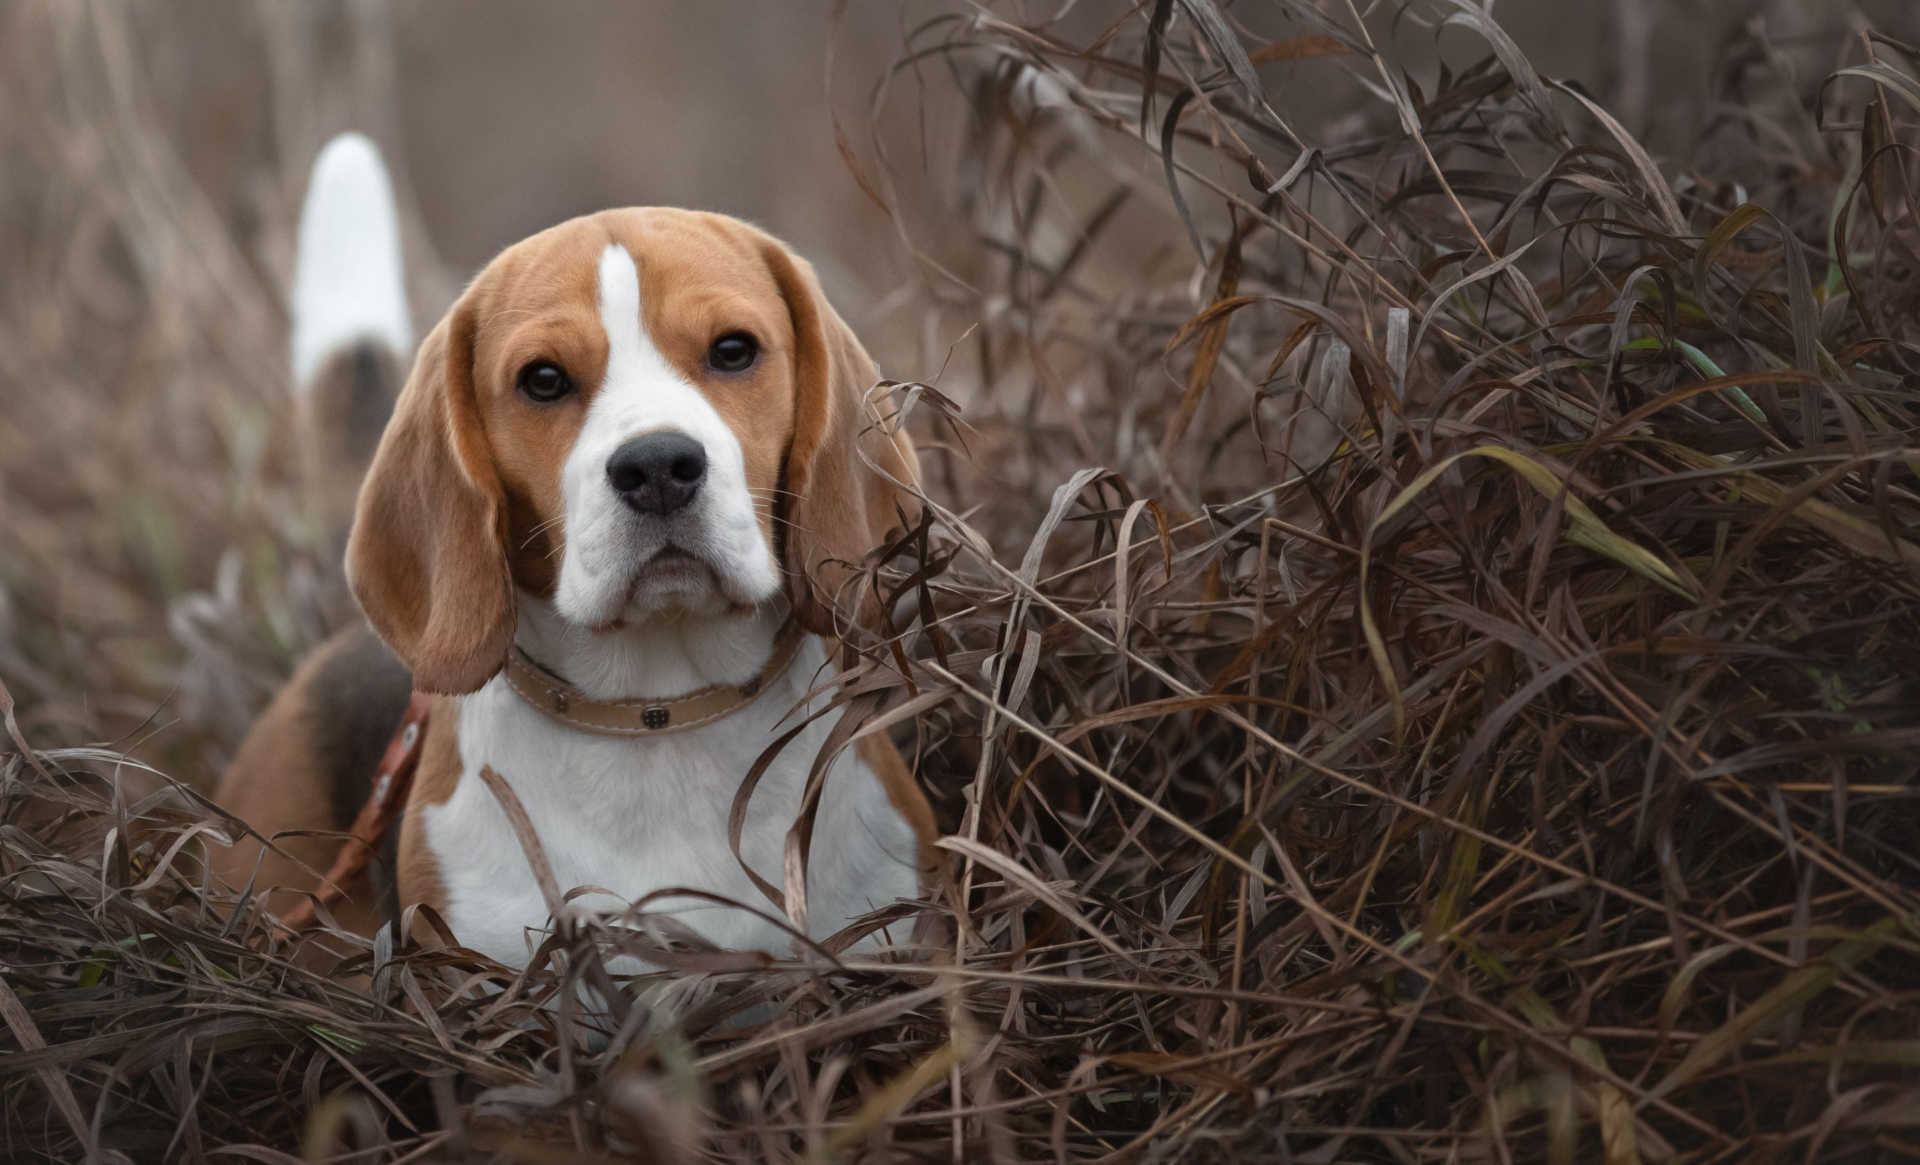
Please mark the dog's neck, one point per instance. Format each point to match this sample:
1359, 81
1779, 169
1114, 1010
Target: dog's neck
660, 658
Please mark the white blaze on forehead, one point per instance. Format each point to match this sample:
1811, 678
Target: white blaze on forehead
627, 344
643, 392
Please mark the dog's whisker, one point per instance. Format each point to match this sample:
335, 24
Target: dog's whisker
541, 529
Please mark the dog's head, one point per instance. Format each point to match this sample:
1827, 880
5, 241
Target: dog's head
640, 414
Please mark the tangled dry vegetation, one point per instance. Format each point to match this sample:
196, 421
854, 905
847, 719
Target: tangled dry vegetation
1470, 713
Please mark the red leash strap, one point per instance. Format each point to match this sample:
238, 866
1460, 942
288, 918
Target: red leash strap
390, 784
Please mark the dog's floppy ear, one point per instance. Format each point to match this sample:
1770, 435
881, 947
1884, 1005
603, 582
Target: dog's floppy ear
839, 504
427, 557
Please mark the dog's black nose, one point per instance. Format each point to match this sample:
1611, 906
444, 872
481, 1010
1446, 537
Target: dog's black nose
657, 473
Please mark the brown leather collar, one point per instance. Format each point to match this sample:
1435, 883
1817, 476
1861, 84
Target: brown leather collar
574, 708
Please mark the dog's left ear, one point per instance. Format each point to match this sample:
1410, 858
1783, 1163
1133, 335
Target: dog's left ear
839, 504
427, 557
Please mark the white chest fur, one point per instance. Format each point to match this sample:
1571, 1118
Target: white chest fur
630, 817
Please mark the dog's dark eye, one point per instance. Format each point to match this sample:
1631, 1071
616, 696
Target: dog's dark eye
544, 381
733, 352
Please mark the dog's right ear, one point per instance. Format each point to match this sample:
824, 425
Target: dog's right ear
427, 557
836, 508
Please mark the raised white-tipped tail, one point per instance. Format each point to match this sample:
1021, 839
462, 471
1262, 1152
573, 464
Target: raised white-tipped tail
348, 283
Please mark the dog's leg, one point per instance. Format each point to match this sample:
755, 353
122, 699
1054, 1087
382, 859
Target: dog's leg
307, 765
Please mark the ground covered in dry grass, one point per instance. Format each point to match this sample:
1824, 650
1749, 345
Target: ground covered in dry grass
1415, 647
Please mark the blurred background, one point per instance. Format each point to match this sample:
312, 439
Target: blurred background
155, 576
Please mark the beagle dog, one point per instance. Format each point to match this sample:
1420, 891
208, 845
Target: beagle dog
604, 528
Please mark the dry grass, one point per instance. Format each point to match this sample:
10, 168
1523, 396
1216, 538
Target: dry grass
1471, 715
